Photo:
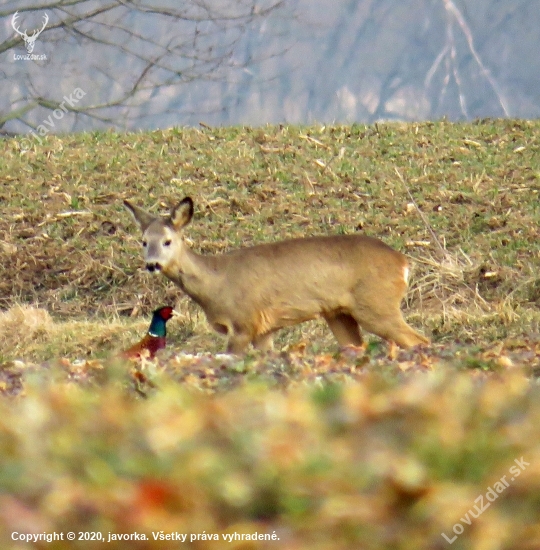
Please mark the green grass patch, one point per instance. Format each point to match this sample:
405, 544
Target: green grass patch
321, 448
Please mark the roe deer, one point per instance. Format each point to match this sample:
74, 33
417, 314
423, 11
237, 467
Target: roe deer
351, 281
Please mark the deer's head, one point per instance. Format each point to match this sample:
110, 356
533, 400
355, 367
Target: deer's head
162, 237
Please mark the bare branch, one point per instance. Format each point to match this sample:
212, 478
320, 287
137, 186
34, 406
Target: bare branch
197, 40
452, 9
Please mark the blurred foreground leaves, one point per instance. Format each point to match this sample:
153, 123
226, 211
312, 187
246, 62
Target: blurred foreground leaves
328, 452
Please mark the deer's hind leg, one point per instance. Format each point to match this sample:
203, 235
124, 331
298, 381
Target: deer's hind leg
377, 310
345, 329
394, 329
386, 320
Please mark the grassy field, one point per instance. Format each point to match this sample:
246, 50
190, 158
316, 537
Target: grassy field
325, 448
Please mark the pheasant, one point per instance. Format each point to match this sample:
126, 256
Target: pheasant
155, 338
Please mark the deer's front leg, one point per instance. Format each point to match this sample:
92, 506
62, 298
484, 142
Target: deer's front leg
238, 342
264, 342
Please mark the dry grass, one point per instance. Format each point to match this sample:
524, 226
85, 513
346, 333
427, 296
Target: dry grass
30, 333
25, 323
331, 450
460, 199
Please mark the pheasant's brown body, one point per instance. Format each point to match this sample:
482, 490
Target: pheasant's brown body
148, 347
156, 337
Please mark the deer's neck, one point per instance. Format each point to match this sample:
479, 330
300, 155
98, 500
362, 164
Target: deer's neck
198, 276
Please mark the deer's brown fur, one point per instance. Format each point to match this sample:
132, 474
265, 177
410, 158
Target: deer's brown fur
351, 281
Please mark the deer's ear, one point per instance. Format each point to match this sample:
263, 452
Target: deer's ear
182, 213
143, 218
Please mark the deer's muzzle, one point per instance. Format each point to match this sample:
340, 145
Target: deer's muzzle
153, 266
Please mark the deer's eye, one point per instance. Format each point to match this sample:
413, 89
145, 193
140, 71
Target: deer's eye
167, 242
145, 244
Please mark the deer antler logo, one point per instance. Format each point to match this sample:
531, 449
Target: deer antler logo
30, 41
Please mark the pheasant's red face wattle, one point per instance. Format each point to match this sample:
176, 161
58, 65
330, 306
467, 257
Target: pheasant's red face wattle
166, 313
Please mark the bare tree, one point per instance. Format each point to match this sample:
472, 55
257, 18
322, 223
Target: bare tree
412, 60
448, 58
156, 63
103, 61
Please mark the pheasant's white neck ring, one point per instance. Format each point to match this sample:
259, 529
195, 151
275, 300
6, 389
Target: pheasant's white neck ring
153, 334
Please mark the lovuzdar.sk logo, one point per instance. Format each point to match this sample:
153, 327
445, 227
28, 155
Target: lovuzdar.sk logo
29, 41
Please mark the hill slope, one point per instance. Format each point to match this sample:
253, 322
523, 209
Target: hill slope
69, 247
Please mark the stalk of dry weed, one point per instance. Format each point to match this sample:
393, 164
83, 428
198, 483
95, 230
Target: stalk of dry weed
443, 283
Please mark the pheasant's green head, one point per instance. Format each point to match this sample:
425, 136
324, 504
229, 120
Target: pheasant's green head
158, 325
